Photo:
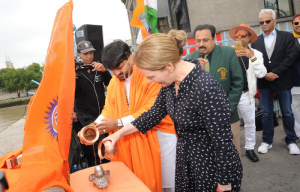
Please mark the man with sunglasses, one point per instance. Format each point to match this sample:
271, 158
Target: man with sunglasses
278, 49
252, 65
296, 75
223, 64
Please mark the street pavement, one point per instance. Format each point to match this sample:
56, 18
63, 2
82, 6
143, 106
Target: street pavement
277, 170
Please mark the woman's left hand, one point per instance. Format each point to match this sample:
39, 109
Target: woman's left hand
107, 125
113, 138
224, 187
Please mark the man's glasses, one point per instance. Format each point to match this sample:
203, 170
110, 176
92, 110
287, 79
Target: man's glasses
262, 22
296, 23
242, 35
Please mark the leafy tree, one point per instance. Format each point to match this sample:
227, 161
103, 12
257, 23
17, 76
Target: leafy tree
2, 72
34, 67
29, 75
13, 81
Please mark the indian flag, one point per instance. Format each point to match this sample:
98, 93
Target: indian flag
151, 14
149, 7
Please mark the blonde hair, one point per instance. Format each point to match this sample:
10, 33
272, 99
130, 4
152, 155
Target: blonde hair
159, 49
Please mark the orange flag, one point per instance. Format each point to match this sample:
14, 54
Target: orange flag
135, 22
48, 122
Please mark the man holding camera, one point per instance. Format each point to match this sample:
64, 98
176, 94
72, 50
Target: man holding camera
89, 95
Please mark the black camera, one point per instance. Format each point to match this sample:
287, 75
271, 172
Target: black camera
79, 66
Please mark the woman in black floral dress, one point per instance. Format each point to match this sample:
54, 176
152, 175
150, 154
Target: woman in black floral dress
206, 158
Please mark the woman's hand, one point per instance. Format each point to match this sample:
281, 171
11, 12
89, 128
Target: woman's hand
107, 125
224, 187
113, 138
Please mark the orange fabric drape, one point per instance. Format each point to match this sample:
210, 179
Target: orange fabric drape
139, 152
48, 122
135, 22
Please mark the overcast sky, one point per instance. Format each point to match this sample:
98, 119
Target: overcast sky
26, 25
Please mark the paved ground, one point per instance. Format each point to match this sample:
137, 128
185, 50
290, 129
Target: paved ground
277, 171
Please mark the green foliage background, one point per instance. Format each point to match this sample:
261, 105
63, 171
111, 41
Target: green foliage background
17, 80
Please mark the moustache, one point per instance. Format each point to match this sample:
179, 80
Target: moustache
202, 47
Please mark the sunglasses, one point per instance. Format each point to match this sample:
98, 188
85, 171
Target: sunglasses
296, 23
267, 22
242, 35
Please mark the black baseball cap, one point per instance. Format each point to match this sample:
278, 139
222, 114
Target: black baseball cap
85, 46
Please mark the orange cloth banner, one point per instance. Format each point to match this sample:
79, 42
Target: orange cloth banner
121, 179
140, 152
48, 122
135, 22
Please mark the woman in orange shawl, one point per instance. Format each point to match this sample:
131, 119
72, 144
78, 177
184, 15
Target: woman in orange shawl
151, 156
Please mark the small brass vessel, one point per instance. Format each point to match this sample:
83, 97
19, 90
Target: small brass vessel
89, 135
105, 150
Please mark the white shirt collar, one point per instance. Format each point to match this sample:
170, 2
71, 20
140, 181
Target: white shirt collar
271, 34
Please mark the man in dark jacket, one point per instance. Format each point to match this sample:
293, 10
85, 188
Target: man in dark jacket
89, 96
296, 74
278, 49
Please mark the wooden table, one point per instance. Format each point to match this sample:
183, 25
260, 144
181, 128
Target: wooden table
121, 179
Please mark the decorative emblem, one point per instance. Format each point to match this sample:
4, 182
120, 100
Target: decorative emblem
52, 119
223, 72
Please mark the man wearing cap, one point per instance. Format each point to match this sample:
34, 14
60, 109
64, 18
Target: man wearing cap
252, 65
296, 75
278, 49
89, 94
223, 64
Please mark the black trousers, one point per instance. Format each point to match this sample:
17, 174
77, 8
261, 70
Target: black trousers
84, 120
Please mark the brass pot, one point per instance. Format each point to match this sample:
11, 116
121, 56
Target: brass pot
89, 135
105, 150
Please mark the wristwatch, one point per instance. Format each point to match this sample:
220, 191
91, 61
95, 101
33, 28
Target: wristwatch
120, 124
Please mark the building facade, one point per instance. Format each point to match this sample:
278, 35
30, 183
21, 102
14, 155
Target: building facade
9, 64
223, 14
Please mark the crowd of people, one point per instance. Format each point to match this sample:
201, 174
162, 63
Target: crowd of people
176, 121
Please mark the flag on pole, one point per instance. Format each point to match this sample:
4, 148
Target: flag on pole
48, 122
151, 14
149, 9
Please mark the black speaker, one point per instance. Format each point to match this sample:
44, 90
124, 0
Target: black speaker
94, 34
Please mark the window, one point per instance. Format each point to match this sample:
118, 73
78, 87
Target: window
282, 8
178, 19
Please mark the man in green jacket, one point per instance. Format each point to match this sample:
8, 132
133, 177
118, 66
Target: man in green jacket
223, 64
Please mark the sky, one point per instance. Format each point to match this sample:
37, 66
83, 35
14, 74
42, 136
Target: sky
26, 25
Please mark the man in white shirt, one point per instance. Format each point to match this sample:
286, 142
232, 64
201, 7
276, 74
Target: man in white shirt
151, 156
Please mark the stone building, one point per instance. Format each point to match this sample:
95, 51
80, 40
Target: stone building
223, 14
9, 64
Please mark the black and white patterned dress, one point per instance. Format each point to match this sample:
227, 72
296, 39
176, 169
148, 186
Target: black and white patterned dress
205, 153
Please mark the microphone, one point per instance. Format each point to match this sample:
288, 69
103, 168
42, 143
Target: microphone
201, 55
